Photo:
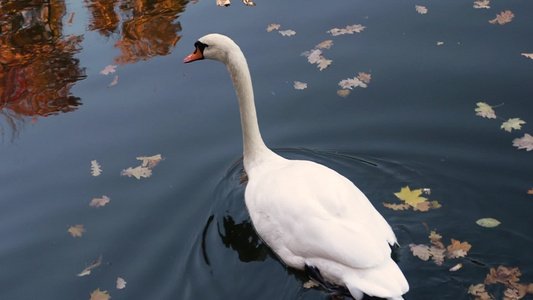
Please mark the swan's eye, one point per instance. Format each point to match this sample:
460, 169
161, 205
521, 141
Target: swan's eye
200, 46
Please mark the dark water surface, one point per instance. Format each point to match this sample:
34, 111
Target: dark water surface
184, 232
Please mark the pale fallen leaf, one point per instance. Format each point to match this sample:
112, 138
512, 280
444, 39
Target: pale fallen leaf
421, 251
437, 254
440, 43
350, 29
504, 17
114, 82
424, 206
488, 222
350, 83
150, 161
434, 204
456, 267
121, 283
88, 269
95, 168
248, 2
300, 85
324, 45
99, 202
272, 27
421, 9
435, 239
525, 142
394, 206
514, 123
484, 110
287, 32
137, 172
364, 77
482, 4
310, 284
77, 230
530, 55
108, 69
343, 93
479, 290
223, 3
99, 295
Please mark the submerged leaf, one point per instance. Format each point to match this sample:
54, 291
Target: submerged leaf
343, 93
77, 230
88, 269
99, 202
488, 222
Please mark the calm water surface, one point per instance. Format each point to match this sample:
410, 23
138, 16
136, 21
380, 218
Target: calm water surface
184, 232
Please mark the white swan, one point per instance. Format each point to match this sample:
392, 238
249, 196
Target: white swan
313, 218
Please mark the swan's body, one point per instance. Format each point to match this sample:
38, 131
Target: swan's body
308, 214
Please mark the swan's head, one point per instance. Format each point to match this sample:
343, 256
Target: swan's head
213, 46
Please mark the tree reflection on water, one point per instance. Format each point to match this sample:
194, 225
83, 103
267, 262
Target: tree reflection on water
37, 63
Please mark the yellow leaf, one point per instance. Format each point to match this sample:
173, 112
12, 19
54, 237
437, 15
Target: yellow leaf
99, 295
488, 222
410, 197
76, 231
514, 123
484, 110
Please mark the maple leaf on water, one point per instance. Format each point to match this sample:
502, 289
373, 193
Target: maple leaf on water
530, 55
108, 69
350, 29
287, 32
507, 276
410, 197
482, 4
95, 168
88, 269
99, 202
457, 249
99, 295
525, 142
77, 230
514, 123
484, 110
421, 9
504, 17
300, 85
273, 27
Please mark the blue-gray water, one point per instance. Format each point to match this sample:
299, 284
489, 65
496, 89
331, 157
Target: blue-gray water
184, 232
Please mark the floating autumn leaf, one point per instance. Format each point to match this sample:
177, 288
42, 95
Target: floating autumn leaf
343, 93
350, 83
424, 206
435, 239
77, 230
300, 85
108, 69
458, 249
421, 9
440, 43
504, 17
225, 3
484, 110
71, 18
88, 269
394, 206
482, 4
456, 267
137, 172
99, 295
114, 82
95, 168
287, 32
121, 283
248, 2
150, 161
421, 251
364, 77
488, 222
410, 197
507, 276
530, 192
525, 142
99, 202
315, 57
530, 55
514, 123
350, 29
324, 45
479, 291
437, 255
272, 27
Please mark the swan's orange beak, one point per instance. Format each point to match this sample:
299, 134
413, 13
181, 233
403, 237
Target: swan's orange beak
196, 55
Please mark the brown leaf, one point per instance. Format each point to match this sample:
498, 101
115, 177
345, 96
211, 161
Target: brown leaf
88, 269
507, 276
458, 249
98, 202
479, 290
364, 77
420, 251
77, 230
99, 295
393, 206
530, 192
437, 254
504, 17
435, 239
423, 206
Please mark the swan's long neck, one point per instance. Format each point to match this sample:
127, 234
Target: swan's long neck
255, 150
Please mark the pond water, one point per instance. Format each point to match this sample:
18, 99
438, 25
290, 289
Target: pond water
183, 232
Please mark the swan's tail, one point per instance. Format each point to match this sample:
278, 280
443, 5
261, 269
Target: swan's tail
384, 281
